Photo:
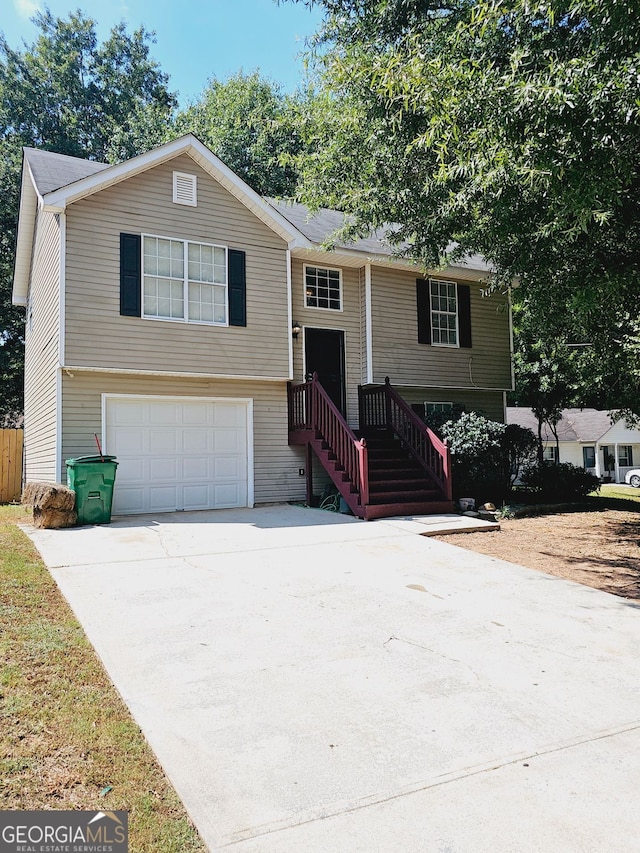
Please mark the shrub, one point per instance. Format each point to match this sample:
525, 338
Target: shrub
435, 420
560, 482
476, 455
487, 457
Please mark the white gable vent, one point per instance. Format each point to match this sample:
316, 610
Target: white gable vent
185, 189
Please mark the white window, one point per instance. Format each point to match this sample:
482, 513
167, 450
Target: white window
184, 281
625, 456
440, 408
323, 288
444, 313
185, 189
550, 453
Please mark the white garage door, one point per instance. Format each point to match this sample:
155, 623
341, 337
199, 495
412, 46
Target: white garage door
177, 453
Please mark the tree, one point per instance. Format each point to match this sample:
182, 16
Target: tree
248, 122
547, 366
12, 322
70, 94
506, 128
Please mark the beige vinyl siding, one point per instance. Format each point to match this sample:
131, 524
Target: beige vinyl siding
97, 336
276, 464
41, 351
397, 353
490, 404
348, 320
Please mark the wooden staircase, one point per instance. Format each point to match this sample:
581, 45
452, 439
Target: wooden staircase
395, 466
398, 484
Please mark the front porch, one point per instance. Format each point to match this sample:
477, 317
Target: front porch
393, 465
614, 460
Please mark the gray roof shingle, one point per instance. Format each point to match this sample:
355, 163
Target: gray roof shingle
324, 223
575, 424
321, 225
51, 171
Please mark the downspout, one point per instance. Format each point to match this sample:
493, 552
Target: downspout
289, 315
61, 342
368, 325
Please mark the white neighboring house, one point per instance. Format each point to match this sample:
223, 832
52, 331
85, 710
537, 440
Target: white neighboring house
588, 439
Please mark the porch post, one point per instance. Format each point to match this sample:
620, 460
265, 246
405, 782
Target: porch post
387, 402
597, 454
617, 468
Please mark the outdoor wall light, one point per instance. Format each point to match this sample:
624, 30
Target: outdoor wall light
295, 330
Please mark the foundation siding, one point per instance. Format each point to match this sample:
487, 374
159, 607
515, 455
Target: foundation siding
276, 465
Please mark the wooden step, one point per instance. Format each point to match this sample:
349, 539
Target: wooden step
388, 485
395, 497
389, 461
372, 511
400, 472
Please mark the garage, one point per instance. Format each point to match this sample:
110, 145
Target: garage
179, 453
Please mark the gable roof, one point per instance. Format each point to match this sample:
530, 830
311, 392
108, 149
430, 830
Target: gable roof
52, 181
43, 171
584, 425
57, 200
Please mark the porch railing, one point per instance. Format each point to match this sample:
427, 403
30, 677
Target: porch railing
311, 408
380, 406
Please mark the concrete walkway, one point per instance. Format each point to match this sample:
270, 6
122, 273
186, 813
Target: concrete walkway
313, 683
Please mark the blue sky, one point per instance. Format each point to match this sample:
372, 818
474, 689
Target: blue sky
196, 39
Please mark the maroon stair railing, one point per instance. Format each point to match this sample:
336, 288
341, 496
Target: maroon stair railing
380, 407
311, 410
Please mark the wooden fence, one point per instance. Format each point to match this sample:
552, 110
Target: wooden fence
10, 464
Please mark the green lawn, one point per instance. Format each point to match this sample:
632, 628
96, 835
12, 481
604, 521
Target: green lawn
67, 741
614, 490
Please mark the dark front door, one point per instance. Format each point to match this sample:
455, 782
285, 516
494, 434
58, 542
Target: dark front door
324, 355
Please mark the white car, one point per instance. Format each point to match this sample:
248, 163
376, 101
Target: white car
633, 478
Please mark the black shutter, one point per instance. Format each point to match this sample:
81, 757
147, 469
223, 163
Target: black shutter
419, 409
237, 288
423, 301
464, 315
130, 270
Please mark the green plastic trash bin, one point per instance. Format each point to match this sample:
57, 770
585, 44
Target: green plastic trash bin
92, 479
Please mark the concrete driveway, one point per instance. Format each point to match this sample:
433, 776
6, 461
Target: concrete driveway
314, 683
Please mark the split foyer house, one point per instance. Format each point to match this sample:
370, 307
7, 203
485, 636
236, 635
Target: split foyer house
213, 346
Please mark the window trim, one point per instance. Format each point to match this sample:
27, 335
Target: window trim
550, 453
445, 404
431, 313
193, 179
628, 448
185, 282
305, 267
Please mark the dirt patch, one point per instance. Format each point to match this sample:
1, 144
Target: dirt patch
600, 548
